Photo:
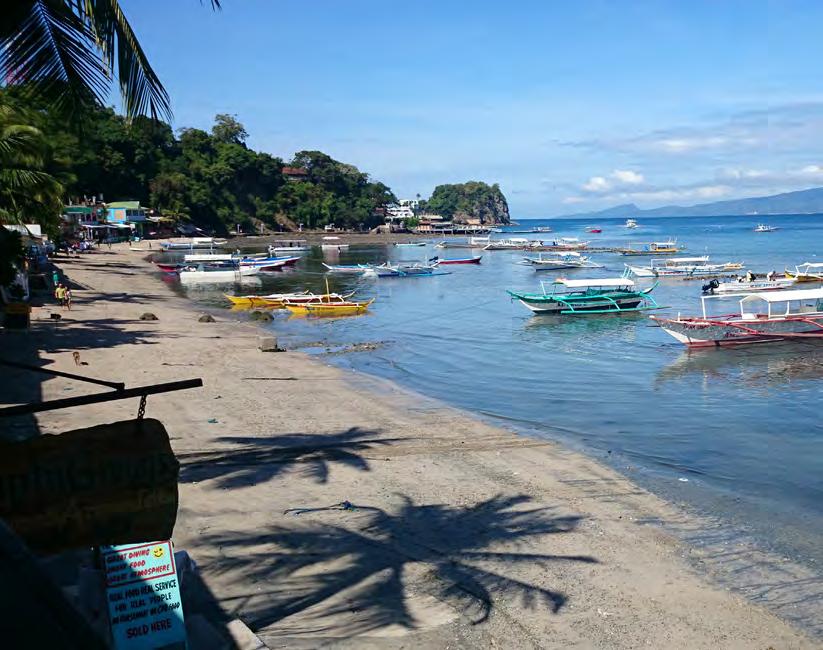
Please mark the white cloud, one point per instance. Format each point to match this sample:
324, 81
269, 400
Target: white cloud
597, 184
628, 177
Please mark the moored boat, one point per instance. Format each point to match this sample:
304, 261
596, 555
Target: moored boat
742, 285
631, 223
409, 244
807, 272
682, 267
278, 300
204, 273
458, 260
556, 261
194, 242
594, 229
796, 314
470, 242
513, 243
341, 308
667, 247
289, 246
582, 297
762, 227
353, 269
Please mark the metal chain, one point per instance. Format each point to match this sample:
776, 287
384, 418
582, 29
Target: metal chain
141, 410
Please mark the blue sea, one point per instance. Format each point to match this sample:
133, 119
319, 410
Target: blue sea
732, 433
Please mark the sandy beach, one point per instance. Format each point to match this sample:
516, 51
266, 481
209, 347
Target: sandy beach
327, 508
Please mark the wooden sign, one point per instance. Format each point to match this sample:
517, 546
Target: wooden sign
109, 484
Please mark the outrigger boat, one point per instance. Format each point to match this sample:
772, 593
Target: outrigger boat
278, 300
194, 242
555, 262
668, 247
329, 308
582, 297
409, 244
471, 242
800, 319
353, 269
594, 229
631, 223
290, 246
404, 269
514, 243
457, 260
205, 273
564, 244
807, 272
741, 286
762, 227
682, 267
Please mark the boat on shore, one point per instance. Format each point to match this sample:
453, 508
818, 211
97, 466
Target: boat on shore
585, 297
667, 247
807, 272
796, 314
555, 261
682, 267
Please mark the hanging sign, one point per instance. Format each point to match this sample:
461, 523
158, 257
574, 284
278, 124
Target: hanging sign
145, 610
108, 484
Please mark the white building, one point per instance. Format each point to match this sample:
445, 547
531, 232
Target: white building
402, 210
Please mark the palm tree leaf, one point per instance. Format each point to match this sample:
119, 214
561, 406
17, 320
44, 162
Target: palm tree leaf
139, 85
53, 50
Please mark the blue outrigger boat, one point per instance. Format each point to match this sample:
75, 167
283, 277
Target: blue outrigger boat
584, 297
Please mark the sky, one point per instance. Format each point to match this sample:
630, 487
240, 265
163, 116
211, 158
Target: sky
569, 106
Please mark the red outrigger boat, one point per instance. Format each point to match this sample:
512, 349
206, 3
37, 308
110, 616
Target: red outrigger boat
460, 260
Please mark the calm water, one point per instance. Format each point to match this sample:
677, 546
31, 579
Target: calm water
744, 426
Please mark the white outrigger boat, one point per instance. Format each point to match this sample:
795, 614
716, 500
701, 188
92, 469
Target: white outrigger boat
682, 267
667, 247
205, 273
557, 261
796, 314
290, 246
631, 223
194, 242
741, 286
564, 244
762, 227
471, 242
351, 269
512, 244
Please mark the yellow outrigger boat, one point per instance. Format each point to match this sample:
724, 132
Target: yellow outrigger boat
278, 300
806, 272
329, 308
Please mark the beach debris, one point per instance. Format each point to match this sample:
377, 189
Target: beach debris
55, 316
147, 315
261, 316
212, 420
206, 318
268, 344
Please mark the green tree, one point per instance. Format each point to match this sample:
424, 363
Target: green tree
228, 130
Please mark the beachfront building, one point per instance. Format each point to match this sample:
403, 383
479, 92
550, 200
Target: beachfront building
401, 211
128, 214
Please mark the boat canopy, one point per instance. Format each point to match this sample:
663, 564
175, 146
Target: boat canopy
811, 265
678, 260
601, 282
786, 296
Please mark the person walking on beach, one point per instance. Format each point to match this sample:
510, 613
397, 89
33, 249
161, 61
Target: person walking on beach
55, 277
60, 294
67, 296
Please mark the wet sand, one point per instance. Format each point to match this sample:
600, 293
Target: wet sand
327, 508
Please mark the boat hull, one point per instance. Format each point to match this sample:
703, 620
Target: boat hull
463, 260
711, 333
583, 306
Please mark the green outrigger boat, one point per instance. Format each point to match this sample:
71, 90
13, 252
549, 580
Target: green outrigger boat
583, 297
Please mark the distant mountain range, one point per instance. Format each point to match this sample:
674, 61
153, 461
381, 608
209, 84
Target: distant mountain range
801, 202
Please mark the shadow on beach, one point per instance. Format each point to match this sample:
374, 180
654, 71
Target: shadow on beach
256, 460
351, 569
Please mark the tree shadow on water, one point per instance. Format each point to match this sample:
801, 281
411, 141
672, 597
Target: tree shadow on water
345, 581
256, 459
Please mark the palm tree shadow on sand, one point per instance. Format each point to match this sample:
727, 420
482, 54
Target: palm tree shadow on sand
324, 579
253, 460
